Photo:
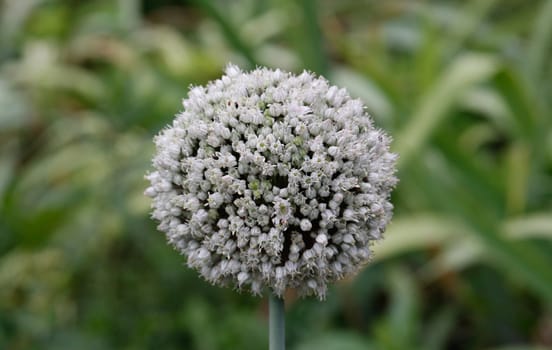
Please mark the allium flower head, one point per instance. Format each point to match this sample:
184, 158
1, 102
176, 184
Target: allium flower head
268, 180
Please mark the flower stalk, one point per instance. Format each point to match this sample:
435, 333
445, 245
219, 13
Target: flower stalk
277, 323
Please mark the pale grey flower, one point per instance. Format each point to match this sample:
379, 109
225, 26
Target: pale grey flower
268, 180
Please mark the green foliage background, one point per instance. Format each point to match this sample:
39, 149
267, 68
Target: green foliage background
464, 87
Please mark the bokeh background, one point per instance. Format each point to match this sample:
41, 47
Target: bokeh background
464, 88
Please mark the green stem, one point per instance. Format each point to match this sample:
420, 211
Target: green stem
277, 323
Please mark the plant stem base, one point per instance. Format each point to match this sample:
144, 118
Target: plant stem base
277, 333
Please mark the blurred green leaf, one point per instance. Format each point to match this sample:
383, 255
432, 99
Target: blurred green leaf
418, 232
228, 29
462, 29
489, 103
438, 329
15, 111
129, 13
13, 15
523, 105
314, 57
541, 41
465, 72
377, 103
7, 169
521, 260
336, 341
455, 257
529, 226
42, 70
521, 347
403, 325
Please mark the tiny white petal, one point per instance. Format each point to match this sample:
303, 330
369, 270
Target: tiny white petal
322, 239
305, 225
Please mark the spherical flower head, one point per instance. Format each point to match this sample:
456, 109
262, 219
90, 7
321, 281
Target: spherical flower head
269, 180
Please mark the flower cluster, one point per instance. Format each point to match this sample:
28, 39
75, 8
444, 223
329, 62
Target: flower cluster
272, 180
